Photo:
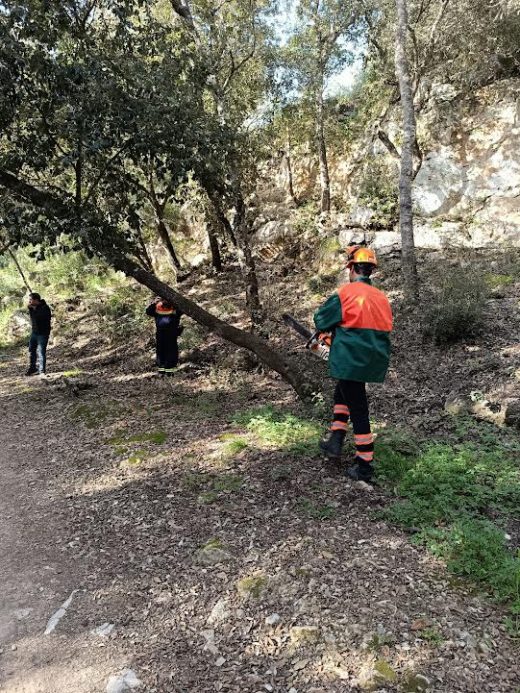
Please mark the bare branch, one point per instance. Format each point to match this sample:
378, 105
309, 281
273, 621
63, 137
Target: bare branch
182, 9
392, 149
104, 170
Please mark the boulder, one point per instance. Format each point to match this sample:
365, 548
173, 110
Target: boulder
512, 414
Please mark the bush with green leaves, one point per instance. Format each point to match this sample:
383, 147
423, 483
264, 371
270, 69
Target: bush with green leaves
456, 310
378, 190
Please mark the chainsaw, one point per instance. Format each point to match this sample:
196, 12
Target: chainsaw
317, 342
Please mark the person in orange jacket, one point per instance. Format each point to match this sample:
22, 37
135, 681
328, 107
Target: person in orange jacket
168, 328
360, 317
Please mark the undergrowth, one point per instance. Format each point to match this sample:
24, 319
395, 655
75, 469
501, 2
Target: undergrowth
459, 499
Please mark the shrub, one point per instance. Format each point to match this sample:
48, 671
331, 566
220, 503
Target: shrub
456, 311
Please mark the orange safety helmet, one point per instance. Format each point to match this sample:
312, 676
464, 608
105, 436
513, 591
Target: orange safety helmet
360, 254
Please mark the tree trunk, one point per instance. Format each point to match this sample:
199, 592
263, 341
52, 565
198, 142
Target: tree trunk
322, 151
144, 255
247, 340
408, 259
19, 268
288, 163
57, 208
216, 260
223, 220
247, 263
162, 231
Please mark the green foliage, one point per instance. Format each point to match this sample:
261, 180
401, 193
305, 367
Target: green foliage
498, 281
305, 219
282, 430
234, 446
432, 636
448, 495
74, 373
253, 585
378, 189
456, 311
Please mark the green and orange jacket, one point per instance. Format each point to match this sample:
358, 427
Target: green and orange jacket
360, 317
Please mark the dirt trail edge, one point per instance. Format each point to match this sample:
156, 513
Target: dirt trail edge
36, 573
222, 563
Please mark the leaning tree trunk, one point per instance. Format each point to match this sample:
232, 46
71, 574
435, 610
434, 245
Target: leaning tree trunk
19, 268
408, 259
57, 208
247, 340
322, 152
164, 235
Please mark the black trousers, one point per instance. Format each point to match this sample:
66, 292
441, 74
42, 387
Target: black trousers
167, 350
351, 405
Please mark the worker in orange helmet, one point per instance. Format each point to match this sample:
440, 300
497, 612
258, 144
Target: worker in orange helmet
360, 317
168, 328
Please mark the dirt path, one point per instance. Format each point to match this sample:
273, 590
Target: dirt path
36, 573
222, 568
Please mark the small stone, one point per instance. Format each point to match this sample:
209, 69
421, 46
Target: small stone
300, 664
419, 624
127, 681
212, 555
13, 648
103, 630
273, 619
219, 613
363, 486
455, 406
415, 683
220, 662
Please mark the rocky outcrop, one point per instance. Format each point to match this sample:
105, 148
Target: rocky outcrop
467, 193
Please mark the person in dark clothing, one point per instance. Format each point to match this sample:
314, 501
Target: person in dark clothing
41, 316
168, 328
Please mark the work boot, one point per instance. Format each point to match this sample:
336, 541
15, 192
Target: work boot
31, 371
333, 445
361, 471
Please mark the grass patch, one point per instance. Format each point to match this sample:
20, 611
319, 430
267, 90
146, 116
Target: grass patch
235, 447
432, 636
317, 512
274, 428
137, 457
95, 415
72, 374
459, 498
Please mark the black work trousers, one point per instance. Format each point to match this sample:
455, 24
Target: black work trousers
351, 404
167, 350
